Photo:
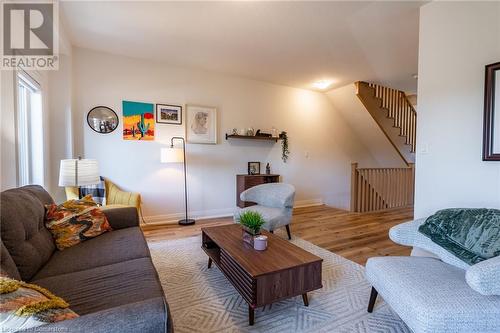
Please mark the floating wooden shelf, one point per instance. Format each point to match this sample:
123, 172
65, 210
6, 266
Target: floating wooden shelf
255, 137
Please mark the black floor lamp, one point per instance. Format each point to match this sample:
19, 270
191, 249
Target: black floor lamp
176, 155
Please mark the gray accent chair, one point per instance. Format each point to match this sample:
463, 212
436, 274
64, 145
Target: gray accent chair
440, 294
274, 202
109, 280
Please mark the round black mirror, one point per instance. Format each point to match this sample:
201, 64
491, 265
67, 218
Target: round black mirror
102, 119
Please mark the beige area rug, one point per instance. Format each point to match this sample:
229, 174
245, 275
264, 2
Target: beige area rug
202, 300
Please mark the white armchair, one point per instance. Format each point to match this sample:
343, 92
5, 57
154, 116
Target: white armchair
274, 203
432, 295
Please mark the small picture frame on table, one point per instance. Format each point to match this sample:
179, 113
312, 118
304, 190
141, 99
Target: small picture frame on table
169, 114
254, 168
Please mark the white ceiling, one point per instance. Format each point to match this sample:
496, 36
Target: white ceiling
289, 43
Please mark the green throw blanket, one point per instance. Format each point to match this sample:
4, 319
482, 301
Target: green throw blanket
472, 235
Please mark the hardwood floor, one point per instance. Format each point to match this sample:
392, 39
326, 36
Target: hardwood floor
355, 236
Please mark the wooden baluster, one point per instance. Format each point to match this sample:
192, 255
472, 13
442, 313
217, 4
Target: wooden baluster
400, 108
408, 121
354, 186
363, 187
405, 111
358, 200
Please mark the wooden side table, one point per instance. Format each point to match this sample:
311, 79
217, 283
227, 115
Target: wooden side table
244, 182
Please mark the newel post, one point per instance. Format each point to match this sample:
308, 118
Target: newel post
354, 186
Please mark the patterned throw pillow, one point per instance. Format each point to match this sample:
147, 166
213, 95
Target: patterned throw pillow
24, 306
75, 221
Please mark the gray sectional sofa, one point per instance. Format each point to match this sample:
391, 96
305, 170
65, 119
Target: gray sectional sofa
110, 280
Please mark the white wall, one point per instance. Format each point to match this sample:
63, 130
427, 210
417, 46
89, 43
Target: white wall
315, 129
346, 102
457, 39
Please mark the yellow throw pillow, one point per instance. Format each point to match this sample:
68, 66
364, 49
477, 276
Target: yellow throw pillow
25, 306
75, 221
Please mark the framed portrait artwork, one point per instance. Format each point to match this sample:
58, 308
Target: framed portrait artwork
168, 114
254, 168
201, 124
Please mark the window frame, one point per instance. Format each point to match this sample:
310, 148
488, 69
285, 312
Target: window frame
24, 127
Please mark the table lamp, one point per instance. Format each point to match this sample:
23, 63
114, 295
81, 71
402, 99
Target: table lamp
177, 155
79, 172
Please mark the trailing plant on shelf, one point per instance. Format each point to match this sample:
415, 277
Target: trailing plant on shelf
284, 146
251, 221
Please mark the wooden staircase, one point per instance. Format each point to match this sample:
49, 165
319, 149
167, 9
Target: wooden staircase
394, 114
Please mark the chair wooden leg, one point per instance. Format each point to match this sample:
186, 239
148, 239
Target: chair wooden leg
373, 298
288, 231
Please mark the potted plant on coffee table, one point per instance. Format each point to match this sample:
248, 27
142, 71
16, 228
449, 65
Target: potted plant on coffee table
251, 223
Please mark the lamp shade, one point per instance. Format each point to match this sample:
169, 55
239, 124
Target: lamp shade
78, 172
172, 155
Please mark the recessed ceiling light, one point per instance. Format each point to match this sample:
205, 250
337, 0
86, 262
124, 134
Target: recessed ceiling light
322, 84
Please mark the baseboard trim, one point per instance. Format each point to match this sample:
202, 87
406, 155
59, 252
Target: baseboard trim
213, 213
308, 203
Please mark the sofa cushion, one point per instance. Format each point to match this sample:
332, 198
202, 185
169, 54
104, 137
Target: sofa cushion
484, 277
22, 215
432, 296
109, 248
149, 316
471, 234
106, 287
8, 267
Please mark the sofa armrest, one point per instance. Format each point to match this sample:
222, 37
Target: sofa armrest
484, 277
120, 218
141, 317
405, 233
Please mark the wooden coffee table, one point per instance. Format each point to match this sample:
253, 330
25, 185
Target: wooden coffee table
282, 271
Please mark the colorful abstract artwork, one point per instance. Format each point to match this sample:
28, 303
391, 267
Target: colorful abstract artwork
138, 121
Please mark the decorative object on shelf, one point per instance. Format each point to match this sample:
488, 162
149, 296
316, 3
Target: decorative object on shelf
254, 168
284, 146
251, 223
176, 155
168, 114
234, 131
274, 132
260, 243
79, 172
138, 121
255, 137
250, 131
268, 169
259, 133
102, 119
491, 130
201, 124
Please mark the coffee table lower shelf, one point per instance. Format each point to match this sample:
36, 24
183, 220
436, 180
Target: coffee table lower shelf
263, 289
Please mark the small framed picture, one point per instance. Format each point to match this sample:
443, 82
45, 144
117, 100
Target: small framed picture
201, 124
168, 114
254, 168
